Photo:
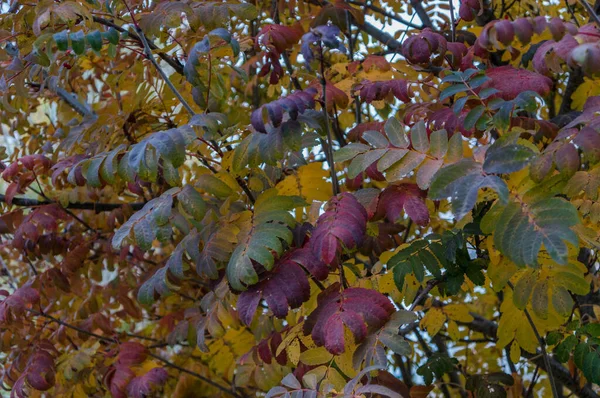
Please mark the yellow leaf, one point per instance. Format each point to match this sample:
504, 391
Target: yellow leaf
316, 356
515, 352
433, 321
458, 312
453, 331
500, 273
293, 352
308, 182
335, 378
589, 88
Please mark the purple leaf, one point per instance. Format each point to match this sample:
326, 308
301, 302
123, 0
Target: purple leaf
286, 286
343, 224
360, 310
293, 105
407, 198
143, 386
510, 82
384, 90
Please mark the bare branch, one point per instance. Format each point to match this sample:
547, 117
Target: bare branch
98, 207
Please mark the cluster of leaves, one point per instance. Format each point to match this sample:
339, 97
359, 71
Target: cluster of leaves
281, 199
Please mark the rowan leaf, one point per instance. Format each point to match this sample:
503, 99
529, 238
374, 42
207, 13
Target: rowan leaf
360, 310
341, 227
270, 226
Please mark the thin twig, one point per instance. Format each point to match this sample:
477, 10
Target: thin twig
197, 375
357, 104
452, 21
11, 279
428, 287
173, 62
150, 56
329, 149
542, 344
112, 340
590, 11
385, 13
98, 207
68, 325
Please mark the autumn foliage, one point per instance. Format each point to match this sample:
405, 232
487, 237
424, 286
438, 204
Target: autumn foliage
300, 198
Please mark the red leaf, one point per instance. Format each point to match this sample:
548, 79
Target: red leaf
131, 353
408, 198
360, 310
343, 224
117, 378
511, 82
15, 304
279, 37
285, 286
356, 133
419, 48
40, 371
386, 90
588, 140
143, 386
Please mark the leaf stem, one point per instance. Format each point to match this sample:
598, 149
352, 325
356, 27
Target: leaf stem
113, 340
329, 149
452, 21
590, 11
150, 56
542, 344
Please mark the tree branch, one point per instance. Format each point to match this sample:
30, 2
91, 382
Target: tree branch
559, 372
385, 13
196, 375
150, 56
329, 149
173, 62
542, 344
422, 13
592, 14
161, 359
98, 207
371, 30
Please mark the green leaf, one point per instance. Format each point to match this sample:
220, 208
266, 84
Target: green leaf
214, 186
523, 289
521, 231
395, 342
375, 139
78, 42
112, 35
477, 81
438, 144
562, 301
539, 301
350, 151
361, 162
460, 103
94, 39
192, 203
507, 159
418, 137
455, 148
487, 92
396, 134
580, 353
452, 90
407, 164
473, 116
441, 185
271, 225
62, 40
